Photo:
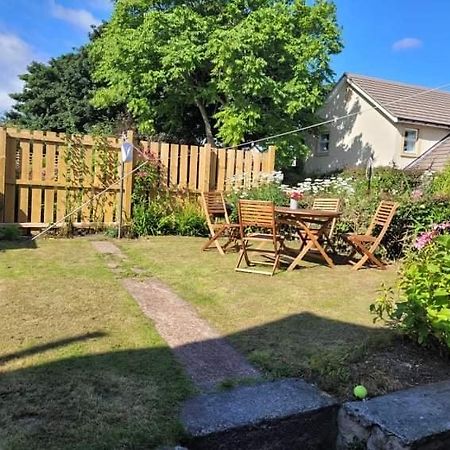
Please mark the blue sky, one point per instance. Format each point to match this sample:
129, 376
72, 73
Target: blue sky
404, 40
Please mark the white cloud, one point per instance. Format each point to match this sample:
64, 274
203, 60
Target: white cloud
81, 18
407, 44
16, 55
105, 5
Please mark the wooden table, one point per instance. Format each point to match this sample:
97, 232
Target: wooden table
309, 237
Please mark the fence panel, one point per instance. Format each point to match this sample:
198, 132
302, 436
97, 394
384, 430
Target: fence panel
45, 175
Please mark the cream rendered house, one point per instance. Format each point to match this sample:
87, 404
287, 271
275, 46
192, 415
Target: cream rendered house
394, 123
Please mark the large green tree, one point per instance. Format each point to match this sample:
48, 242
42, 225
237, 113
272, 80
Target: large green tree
244, 68
57, 96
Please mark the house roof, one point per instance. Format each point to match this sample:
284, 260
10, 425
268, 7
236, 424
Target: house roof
435, 158
405, 102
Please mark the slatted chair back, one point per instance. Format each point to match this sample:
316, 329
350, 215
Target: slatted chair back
383, 217
257, 213
328, 204
214, 207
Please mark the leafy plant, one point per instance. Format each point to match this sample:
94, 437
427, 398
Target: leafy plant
9, 233
423, 308
224, 71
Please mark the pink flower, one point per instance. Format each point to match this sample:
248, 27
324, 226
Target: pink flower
424, 239
417, 194
295, 195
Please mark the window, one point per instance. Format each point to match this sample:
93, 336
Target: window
324, 144
409, 141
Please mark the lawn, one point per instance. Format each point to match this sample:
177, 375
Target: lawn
80, 366
313, 322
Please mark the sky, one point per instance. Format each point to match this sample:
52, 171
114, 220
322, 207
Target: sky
402, 40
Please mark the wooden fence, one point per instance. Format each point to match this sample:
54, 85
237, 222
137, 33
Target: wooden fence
44, 175
201, 169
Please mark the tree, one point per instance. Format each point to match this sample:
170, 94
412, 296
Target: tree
56, 96
247, 68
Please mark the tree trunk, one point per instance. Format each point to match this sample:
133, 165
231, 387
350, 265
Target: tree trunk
208, 130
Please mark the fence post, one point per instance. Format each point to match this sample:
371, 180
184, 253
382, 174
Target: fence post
270, 159
205, 167
128, 181
3, 137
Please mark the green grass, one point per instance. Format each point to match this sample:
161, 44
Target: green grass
313, 322
80, 366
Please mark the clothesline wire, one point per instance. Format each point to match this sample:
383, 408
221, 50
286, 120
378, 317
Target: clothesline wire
252, 143
338, 118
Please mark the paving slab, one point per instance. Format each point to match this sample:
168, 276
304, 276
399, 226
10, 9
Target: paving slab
417, 418
206, 356
284, 414
107, 248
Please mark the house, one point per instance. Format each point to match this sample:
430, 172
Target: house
396, 124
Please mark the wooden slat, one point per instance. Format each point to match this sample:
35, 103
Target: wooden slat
25, 161
222, 161
23, 204
205, 168
256, 167
36, 174
10, 175
213, 170
193, 168
184, 155
164, 158
49, 206
174, 162
231, 162
3, 139
60, 204
248, 162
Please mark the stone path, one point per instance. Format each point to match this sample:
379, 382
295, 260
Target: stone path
206, 356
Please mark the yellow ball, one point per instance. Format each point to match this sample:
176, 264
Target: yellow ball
360, 392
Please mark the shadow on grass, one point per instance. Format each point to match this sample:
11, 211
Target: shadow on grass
20, 244
50, 346
131, 398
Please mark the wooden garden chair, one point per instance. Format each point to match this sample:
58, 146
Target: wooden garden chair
258, 215
325, 204
218, 222
367, 243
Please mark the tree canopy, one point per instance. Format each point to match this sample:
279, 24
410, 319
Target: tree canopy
242, 69
57, 96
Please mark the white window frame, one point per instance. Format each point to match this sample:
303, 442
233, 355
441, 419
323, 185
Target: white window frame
415, 150
321, 141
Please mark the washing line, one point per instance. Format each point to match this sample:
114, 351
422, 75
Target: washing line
252, 143
87, 202
337, 119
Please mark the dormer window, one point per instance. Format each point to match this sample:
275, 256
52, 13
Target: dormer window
410, 141
324, 144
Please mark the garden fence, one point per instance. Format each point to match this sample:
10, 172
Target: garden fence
44, 175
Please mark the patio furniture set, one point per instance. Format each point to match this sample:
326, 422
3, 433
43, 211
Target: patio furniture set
264, 229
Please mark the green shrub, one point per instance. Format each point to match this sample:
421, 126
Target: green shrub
268, 191
10, 233
440, 183
423, 308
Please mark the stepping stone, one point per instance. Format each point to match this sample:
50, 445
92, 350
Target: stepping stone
107, 248
285, 414
417, 418
206, 356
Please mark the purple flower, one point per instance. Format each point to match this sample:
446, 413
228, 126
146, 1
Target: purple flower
417, 194
424, 239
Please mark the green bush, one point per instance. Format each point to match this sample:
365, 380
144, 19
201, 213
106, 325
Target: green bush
423, 308
9, 233
161, 212
268, 191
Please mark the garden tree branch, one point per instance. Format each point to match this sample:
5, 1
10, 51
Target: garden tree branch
208, 129
269, 60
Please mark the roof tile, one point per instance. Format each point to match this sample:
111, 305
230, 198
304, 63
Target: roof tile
425, 106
